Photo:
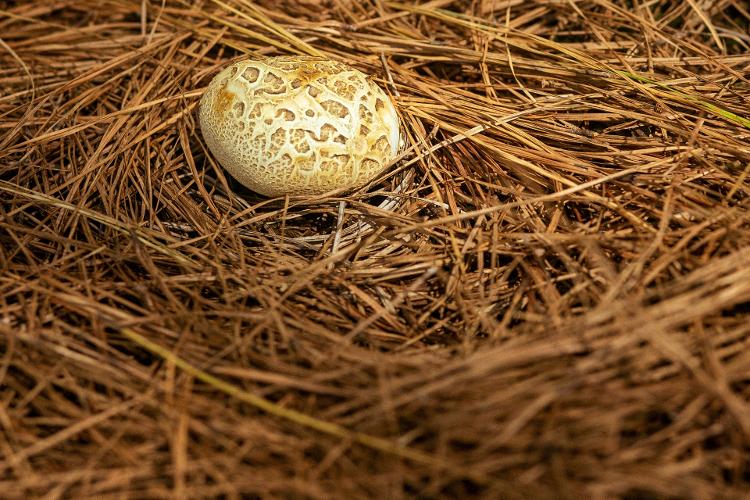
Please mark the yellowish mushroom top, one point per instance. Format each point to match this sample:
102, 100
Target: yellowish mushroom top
298, 125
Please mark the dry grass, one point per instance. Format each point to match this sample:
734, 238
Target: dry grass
546, 297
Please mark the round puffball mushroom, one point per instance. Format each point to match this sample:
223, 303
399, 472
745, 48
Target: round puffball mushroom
298, 125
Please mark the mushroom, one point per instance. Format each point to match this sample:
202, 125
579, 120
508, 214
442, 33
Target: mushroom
298, 125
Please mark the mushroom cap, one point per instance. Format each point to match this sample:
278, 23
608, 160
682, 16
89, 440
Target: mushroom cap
298, 125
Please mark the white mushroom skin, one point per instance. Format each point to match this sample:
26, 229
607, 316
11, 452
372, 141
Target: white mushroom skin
298, 125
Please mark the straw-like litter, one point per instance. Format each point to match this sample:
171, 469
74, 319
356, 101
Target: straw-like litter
546, 296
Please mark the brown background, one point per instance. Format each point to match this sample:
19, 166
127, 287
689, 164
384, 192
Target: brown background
547, 297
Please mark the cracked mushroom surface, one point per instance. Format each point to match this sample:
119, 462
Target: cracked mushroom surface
298, 125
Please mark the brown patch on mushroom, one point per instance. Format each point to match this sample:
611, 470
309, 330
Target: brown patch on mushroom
238, 108
273, 84
335, 108
223, 101
287, 114
369, 164
382, 145
313, 91
305, 163
251, 74
327, 131
309, 74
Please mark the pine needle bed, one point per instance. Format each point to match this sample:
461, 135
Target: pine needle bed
546, 296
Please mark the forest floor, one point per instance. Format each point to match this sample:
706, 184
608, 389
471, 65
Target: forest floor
546, 296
